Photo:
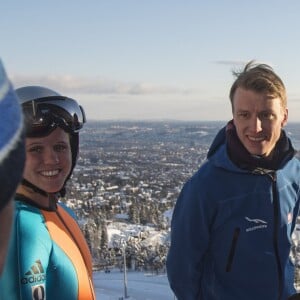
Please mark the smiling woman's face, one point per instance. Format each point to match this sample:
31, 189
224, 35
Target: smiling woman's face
48, 160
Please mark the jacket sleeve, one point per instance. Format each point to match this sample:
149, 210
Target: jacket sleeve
189, 242
24, 275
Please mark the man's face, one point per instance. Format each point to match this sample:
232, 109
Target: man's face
6, 215
258, 120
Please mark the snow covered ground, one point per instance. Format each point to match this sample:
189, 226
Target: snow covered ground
140, 286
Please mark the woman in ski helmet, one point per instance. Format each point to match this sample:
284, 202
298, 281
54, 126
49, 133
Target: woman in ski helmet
49, 257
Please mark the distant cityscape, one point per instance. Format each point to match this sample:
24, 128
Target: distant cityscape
132, 173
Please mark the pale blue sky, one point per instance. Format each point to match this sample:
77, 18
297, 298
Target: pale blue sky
156, 59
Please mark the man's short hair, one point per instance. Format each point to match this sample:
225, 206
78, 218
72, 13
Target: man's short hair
259, 78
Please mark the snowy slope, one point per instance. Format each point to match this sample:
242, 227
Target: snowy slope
140, 286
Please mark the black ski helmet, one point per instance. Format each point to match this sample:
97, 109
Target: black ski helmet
44, 110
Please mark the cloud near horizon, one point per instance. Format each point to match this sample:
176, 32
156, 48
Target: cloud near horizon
231, 62
241, 63
82, 85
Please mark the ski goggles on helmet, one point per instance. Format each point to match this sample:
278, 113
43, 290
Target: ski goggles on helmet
44, 115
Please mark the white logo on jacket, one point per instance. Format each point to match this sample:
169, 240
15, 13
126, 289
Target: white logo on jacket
261, 224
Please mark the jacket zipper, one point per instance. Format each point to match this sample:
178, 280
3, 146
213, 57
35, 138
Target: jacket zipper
232, 249
275, 235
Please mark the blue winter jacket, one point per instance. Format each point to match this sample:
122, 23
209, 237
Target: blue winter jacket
231, 232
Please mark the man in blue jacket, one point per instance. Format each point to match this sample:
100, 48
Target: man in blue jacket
12, 157
233, 221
